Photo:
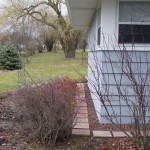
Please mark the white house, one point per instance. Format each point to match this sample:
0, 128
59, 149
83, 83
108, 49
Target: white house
112, 25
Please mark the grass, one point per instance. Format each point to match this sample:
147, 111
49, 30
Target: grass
43, 67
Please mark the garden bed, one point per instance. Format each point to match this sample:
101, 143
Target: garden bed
11, 140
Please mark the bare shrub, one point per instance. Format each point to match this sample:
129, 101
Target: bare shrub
49, 42
47, 112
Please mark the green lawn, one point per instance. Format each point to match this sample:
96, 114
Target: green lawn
43, 67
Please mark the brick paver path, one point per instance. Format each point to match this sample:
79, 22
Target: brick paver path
82, 122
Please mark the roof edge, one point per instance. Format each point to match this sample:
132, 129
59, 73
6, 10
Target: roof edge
69, 10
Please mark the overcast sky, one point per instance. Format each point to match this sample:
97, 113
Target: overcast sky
2, 2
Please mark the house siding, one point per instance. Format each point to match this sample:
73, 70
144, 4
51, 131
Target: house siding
120, 107
93, 77
109, 27
107, 78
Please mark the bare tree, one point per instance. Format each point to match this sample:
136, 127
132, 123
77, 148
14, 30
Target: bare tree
49, 38
50, 13
20, 33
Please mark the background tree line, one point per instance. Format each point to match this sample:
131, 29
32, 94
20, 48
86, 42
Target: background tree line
32, 25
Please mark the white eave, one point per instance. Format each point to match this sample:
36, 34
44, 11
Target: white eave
81, 12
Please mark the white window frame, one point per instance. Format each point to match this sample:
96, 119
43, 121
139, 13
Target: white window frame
130, 23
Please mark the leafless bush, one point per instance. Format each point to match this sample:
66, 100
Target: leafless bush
121, 78
47, 112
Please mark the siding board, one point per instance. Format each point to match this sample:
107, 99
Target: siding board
139, 65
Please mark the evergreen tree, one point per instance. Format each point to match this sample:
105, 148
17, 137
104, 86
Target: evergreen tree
1, 57
9, 58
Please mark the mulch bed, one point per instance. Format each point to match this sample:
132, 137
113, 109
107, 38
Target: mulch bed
93, 119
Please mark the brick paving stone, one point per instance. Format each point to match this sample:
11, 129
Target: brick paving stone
81, 120
81, 88
82, 116
82, 111
81, 126
81, 123
120, 134
83, 104
80, 91
82, 108
80, 84
81, 132
102, 134
80, 99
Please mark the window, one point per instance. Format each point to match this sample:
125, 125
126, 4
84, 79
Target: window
99, 36
134, 22
99, 27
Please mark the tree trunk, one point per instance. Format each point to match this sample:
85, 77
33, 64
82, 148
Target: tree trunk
49, 48
68, 48
40, 48
70, 53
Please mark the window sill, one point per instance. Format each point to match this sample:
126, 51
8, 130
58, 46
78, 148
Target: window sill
134, 45
138, 47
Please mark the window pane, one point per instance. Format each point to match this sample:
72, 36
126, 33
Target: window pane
134, 33
99, 36
134, 12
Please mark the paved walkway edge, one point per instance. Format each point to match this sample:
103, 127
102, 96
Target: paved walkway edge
85, 132
81, 122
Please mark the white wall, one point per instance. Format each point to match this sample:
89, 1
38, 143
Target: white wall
108, 23
91, 40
